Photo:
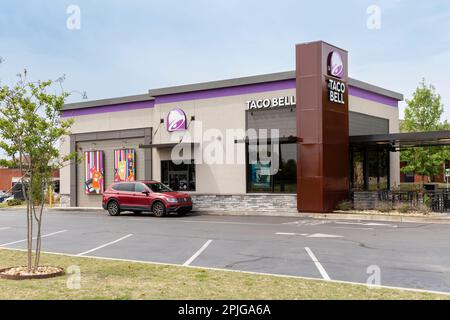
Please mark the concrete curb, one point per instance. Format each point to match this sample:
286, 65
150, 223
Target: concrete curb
339, 216
12, 208
84, 209
376, 217
249, 213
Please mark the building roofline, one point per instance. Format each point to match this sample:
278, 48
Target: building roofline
227, 83
376, 89
109, 101
270, 77
234, 82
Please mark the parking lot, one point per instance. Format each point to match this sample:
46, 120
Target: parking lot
410, 255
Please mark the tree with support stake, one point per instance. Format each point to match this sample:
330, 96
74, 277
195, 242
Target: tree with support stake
31, 129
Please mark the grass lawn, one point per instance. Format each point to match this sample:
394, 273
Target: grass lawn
106, 279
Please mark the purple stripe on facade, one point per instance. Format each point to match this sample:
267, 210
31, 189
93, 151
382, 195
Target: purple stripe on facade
263, 87
364, 94
224, 92
109, 108
221, 92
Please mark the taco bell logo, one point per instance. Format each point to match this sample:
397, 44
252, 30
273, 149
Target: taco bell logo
176, 120
335, 65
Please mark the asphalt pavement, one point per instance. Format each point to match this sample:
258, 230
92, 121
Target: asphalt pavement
410, 255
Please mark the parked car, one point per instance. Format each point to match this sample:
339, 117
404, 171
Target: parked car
139, 196
5, 196
8, 197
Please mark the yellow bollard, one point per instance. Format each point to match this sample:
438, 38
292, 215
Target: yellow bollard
50, 196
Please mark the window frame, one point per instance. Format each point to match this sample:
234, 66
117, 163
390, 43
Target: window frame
191, 172
272, 180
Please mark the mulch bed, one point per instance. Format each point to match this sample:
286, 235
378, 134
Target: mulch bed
21, 273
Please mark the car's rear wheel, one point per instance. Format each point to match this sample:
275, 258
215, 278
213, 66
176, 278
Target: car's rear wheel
159, 209
113, 208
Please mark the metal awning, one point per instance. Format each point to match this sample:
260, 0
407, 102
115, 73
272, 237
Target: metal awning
169, 145
289, 139
404, 140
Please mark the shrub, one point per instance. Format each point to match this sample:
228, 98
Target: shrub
345, 205
384, 207
424, 209
403, 208
426, 200
14, 202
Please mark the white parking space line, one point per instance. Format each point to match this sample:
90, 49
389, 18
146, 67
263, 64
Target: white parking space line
344, 222
319, 266
353, 228
313, 235
191, 259
380, 224
4, 228
367, 224
104, 245
24, 240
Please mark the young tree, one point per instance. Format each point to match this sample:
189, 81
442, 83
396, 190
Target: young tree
423, 113
30, 130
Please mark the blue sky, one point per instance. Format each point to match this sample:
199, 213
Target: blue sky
128, 47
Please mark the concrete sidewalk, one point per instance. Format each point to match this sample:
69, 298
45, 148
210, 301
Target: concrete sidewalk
442, 218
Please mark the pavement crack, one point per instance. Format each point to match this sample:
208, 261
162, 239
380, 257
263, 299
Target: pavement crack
231, 265
360, 244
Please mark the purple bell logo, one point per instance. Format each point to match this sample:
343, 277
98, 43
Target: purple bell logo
176, 120
335, 65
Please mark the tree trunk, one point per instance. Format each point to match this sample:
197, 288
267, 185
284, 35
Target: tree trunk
29, 211
30, 226
38, 237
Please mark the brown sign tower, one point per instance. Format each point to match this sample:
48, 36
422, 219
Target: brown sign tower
322, 126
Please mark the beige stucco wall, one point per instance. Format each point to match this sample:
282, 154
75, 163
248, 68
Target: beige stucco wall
131, 119
215, 113
120, 120
220, 113
64, 172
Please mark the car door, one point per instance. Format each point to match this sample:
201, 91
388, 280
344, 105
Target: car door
126, 195
141, 199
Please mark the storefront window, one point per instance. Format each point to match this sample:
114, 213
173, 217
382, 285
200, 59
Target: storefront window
370, 169
383, 156
284, 181
179, 177
286, 178
358, 170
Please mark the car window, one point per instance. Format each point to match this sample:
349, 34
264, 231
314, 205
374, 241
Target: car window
117, 186
159, 187
139, 187
127, 187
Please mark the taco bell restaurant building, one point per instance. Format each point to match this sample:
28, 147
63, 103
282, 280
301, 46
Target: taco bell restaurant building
315, 109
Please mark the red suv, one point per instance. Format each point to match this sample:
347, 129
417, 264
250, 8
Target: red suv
141, 196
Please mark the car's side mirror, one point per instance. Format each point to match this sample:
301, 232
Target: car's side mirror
146, 192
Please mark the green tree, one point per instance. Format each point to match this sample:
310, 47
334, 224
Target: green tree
30, 129
423, 113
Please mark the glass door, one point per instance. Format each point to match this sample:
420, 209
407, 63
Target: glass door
178, 180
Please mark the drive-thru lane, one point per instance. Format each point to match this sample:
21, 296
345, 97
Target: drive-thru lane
409, 255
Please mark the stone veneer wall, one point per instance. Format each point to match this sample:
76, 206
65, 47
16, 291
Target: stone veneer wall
285, 203
246, 202
365, 200
64, 200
